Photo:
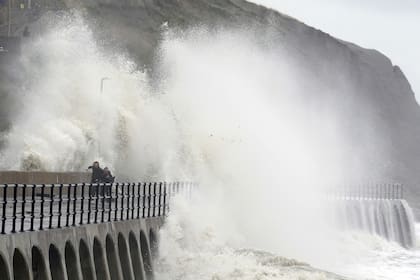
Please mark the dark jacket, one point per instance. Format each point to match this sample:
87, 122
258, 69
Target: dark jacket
97, 174
107, 177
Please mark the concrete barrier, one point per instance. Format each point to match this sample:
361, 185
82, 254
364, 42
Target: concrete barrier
107, 251
34, 177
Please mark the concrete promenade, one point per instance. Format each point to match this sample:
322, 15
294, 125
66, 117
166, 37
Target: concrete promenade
82, 231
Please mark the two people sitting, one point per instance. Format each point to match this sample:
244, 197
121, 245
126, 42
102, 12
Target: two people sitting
100, 175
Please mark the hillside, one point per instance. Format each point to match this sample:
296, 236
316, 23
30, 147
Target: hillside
343, 72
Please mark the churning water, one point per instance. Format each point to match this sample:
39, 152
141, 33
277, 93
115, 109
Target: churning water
192, 249
220, 109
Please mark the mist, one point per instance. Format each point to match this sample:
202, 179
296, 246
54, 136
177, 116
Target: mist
227, 110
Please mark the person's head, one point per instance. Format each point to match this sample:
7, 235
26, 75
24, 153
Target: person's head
106, 170
96, 164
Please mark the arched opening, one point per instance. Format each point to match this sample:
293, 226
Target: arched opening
71, 262
20, 266
39, 268
99, 259
111, 255
85, 261
145, 253
56, 267
135, 257
124, 258
4, 270
154, 245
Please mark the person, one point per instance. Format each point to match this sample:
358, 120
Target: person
108, 179
107, 176
97, 173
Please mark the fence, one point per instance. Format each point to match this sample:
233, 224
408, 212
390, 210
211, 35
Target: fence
369, 191
39, 207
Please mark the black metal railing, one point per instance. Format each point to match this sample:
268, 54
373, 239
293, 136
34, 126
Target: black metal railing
40, 207
368, 191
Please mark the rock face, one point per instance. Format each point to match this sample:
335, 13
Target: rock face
346, 72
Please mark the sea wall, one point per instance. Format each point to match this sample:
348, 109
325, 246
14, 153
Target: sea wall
18, 177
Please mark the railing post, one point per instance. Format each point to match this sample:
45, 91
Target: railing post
33, 207
82, 205
154, 199
160, 198
4, 217
110, 203
104, 190
68, 205
96, 202
380, 191
116, 202
168, 195
22, 221
51, 206
149, 200
138, 199
164, 199
144, 200
41, 215
385, 191
60, 204
74, 204
122, 202
14, 208
133, 196
391, 191
395, 192
89, 203
128, 202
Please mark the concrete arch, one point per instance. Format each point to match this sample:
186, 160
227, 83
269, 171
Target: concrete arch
71, 262
154, 244
112, 258
86, 261
20, 266
145, 253
99, 260
4, 269
39, 269
56, 264
136, 260
125, 261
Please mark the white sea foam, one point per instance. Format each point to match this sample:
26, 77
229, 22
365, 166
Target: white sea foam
367, 256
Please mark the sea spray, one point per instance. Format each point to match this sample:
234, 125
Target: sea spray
222, 108
65, 121
191, 248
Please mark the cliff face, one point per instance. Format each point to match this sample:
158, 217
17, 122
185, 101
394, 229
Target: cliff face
347, 73
365, 76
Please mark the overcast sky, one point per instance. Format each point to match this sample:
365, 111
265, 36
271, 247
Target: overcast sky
390, 26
